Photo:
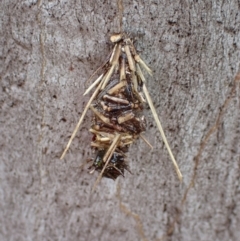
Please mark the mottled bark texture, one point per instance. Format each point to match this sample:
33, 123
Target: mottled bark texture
48, 50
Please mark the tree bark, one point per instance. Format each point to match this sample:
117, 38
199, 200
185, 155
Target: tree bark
48, 50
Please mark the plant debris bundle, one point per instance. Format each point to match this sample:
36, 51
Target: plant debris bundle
117, 103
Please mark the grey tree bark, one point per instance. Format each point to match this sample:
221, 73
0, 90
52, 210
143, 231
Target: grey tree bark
48, 50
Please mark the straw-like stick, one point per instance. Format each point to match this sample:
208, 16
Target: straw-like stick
155, 116
80, 120
93, 84
107, 157
146, 141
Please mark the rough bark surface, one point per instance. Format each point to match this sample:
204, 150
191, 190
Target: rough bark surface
48, 50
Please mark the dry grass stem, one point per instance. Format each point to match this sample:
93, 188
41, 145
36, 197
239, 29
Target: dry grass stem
155, 116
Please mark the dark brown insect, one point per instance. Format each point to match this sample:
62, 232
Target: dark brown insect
116, 166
